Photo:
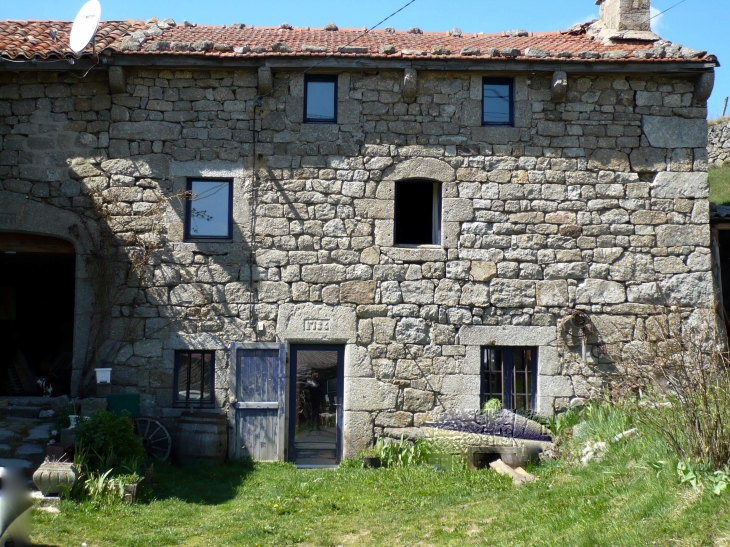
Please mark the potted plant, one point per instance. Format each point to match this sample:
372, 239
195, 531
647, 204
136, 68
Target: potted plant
103, 375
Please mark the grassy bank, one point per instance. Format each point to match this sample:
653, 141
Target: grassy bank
720, 185
632, 497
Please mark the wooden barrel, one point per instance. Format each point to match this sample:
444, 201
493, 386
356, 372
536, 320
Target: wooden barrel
201, 437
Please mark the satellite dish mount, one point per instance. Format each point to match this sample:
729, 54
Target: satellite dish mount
84, 28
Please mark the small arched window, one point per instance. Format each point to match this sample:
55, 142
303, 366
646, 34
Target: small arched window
417, 212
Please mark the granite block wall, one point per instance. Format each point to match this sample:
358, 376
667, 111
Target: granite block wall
597, 203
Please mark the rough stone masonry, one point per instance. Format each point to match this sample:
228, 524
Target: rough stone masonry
594, 202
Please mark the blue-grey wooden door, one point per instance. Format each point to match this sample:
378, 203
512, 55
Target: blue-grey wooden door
260, 383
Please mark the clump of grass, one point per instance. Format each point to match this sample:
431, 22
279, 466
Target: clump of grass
720, 185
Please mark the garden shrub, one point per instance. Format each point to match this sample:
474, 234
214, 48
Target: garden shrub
110, 441
402, 453
682, 380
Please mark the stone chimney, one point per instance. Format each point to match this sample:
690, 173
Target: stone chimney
618, 15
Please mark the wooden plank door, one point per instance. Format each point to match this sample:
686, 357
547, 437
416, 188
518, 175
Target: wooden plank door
259, 387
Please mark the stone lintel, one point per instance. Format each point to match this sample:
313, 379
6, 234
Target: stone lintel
480, 335
207, 169
421, 168
316, 323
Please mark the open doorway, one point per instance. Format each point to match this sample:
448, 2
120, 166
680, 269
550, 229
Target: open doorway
37, 292
315, 436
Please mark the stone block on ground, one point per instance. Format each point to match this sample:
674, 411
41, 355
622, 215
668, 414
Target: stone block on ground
518, 475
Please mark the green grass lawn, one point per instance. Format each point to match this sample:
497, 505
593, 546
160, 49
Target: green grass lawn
621, 501
720, 185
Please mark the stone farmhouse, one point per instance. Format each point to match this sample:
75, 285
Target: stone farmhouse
332, 234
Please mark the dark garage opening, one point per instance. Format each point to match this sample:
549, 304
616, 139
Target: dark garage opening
37, 285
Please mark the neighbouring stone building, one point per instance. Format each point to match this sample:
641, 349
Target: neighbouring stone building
718, 148
326, 228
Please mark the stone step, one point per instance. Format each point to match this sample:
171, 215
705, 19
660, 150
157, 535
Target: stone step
316, 454
308, 445
24, 411
304, 463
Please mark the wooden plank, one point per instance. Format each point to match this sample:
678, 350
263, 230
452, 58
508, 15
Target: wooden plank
450, 65
30, 243
259, 406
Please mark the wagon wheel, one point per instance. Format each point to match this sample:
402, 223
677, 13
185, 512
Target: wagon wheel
155, 437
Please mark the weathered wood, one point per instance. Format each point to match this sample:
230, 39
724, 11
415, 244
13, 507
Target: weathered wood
201, 436
262, 405
456, 65
259, 403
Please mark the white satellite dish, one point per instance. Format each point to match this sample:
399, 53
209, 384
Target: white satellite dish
85, 25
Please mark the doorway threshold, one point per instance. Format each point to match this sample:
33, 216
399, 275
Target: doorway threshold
316, 466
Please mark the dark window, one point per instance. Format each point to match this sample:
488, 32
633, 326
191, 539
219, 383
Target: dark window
209, 209
417, 212
194, 379
509, 374
497, 101
320, 99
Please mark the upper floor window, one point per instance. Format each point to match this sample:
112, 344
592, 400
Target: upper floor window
209, 209
509, 374
320, 98
194, 373
417, 212
497, 101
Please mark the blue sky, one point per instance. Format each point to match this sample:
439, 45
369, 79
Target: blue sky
700, 24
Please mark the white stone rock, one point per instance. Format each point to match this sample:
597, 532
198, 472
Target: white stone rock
599, 291
667, 185
412, 331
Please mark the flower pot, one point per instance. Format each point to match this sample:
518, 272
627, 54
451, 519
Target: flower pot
60, 452
103, 375
50, 477
373, 462
130, 492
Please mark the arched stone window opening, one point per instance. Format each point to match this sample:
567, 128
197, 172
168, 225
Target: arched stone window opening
417, 212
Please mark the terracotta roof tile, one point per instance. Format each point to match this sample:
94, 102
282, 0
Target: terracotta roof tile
25, 39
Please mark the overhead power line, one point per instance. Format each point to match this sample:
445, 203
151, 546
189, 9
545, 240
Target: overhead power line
666, 10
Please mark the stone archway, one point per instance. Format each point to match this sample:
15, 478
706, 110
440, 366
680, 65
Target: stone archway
31, 226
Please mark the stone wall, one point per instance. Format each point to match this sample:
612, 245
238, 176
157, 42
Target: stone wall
596, 203
718, 149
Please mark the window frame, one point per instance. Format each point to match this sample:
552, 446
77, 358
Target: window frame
508, 375
202, 402
500, 81
330, 78
436, 212
188, 236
